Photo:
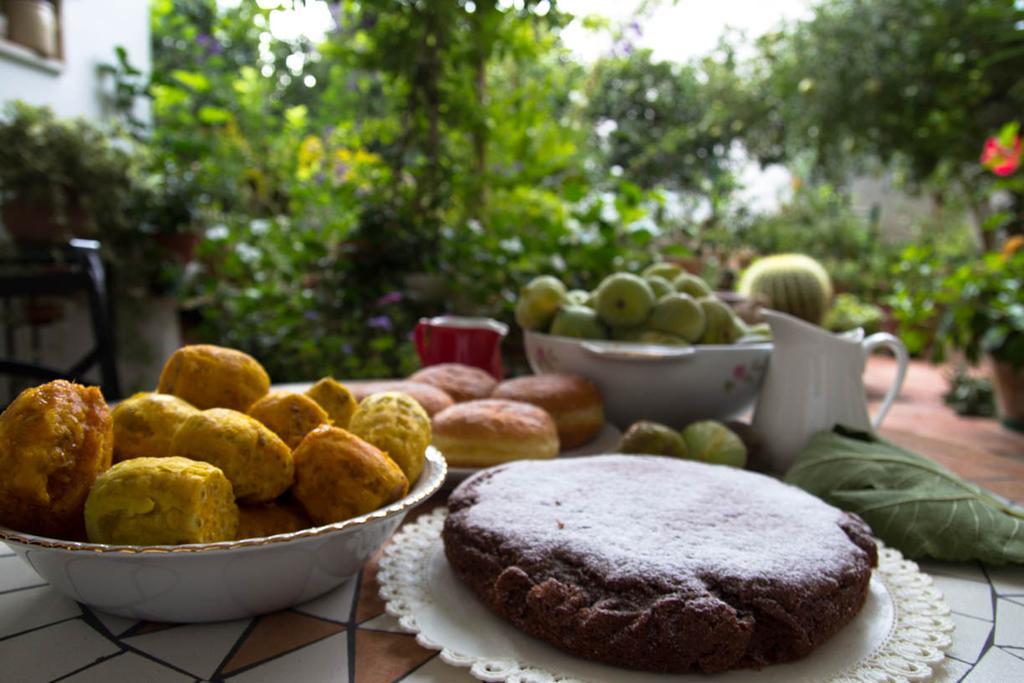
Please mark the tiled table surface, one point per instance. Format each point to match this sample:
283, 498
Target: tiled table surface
345, 636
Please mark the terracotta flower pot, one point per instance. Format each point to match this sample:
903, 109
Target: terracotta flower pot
1009, 385
28, 221
182, 246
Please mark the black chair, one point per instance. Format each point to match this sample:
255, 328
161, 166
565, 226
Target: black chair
57, 271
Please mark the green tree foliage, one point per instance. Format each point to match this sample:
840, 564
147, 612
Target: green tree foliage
921, 82
456, 140
437, 138
664, 123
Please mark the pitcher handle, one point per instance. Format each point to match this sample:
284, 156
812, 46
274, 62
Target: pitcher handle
892, 343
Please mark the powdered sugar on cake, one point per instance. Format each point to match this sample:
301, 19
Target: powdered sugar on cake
678, 521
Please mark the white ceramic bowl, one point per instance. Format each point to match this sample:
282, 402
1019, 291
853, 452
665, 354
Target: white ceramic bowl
669, 384
217, 581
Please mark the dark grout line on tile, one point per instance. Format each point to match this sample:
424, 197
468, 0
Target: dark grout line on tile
971, 616
250, 667
416, 668
38, 628
24, 588
88, 666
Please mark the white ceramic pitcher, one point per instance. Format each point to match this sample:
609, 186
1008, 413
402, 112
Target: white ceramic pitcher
815, 380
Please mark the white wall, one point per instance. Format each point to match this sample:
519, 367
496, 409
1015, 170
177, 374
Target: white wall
91, 29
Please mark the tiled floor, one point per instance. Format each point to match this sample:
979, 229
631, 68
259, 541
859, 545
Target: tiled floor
345, 635
978, 449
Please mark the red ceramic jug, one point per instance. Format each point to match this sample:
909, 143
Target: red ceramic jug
456, 339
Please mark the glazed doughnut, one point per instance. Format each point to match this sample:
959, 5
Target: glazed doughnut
572, 401
462, 382
432, 399
492, 431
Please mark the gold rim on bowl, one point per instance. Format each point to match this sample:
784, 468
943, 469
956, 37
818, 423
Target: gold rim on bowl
437, 470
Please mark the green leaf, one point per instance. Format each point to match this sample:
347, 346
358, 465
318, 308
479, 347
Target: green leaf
191, 79
1008, 133
214, 115
677, 251
296, 116
911, 503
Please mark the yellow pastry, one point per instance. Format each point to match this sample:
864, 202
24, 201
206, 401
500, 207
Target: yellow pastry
161, 501
254, 459
335, 398
339, 476
289, 415
54, 440
145, 423
214, 377
395, 423
267, 519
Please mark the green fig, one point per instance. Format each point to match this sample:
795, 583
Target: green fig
652, 438
721, 324
624, 299
679, 315
662, 338
578, 321
669, 271
577, 297
626, 333
712, 442
687, 283
538, 302
659, 285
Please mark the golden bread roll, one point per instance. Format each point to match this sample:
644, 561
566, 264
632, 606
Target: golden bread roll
145, 423
254, 459
572, 401
432, 399
493, 431
210, 376
461, 382
161, 501
336, 400
54, 441
339, 476
289, 415
267, 519
395, 423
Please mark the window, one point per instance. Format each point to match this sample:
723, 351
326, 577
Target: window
31, 33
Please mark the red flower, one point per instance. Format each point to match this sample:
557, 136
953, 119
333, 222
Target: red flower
740, 372
1000, 158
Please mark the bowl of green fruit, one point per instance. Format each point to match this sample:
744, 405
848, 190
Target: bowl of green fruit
659, 345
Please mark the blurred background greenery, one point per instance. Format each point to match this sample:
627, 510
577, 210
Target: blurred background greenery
427, 157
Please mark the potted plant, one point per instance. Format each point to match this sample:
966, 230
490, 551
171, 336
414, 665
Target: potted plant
984, 316
59, 178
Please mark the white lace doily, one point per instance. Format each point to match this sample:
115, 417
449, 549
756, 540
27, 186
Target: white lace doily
902, 631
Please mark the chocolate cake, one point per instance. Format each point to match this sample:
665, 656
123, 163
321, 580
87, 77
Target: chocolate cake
657, 563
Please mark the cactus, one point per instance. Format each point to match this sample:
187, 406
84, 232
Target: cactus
791, 283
